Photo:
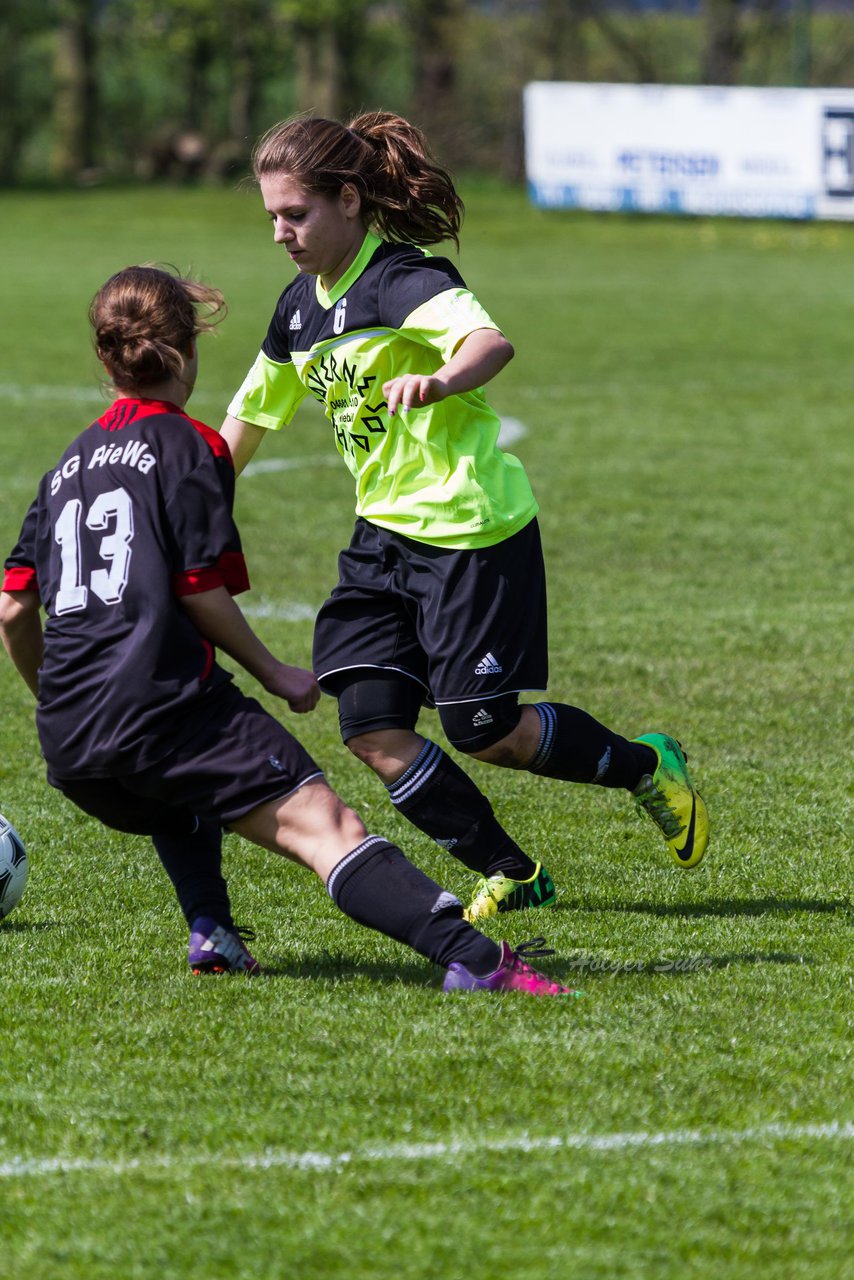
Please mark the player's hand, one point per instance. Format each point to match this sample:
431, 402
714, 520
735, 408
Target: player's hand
297, 687
413, 391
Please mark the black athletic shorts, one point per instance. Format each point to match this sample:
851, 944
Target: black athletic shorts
464, 624
238, 757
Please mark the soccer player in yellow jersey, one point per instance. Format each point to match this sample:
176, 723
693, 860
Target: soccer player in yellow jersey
441, 598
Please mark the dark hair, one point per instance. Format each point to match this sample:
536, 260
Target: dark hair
144, 319
405, 194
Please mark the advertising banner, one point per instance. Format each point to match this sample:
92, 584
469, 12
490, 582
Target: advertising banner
769, 153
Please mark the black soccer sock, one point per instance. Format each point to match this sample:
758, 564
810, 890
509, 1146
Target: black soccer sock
193, 863
377, 886
441, 800
576, 748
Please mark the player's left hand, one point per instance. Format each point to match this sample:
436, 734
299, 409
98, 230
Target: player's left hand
413, 391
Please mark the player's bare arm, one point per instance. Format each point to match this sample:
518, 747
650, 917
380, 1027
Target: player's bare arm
21, 630
220, 621
243, 438
479, 357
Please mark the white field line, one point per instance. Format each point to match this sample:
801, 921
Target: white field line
26, 393
511, 431
437, 1152
51, 392
289, 611
265, 465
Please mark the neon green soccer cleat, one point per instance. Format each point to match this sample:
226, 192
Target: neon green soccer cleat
500, 893
671, 801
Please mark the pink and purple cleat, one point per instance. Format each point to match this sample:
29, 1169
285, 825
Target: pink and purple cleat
512, 974
215, 949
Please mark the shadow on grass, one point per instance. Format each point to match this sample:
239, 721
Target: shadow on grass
340, 969
335, 969
716, 906
585, 968
28, 926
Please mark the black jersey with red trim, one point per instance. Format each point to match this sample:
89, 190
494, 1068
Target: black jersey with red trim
136, 513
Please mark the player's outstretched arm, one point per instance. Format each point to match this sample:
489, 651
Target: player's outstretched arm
221, 622
479, 357
21, 630
243, 438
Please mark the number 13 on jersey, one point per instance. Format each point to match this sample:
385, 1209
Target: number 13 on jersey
114, 549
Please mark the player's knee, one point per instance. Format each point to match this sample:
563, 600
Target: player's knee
350, 826
367, 747
479, 727
388, 752
506, 753
326, 823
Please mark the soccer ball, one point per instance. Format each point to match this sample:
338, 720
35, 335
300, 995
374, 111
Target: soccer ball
14, 867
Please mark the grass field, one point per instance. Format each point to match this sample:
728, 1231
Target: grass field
687, 392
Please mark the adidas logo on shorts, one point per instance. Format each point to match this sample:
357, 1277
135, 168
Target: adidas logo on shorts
488, 666
481, 717
444, 901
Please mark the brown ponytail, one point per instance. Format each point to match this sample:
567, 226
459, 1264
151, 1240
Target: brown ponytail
144, 320
406, 195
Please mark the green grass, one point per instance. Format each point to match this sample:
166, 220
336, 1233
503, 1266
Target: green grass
687, 388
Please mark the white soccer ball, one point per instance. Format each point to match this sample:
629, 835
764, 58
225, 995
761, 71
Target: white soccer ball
14, 867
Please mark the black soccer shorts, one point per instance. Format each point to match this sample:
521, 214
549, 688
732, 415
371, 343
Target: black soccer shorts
465, 624
239, 757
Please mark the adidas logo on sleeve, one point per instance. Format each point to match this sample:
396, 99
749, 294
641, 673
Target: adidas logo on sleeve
488, 666
296, 322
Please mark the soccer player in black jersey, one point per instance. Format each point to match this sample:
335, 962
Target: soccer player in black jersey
131, 549
441, 593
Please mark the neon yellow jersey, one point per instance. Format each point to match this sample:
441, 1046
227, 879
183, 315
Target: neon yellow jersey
435, 474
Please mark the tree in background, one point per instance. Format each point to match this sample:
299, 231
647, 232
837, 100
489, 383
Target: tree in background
24, 96
433, 29
326, 37
193, 71
181, 88
76, 96
724, 42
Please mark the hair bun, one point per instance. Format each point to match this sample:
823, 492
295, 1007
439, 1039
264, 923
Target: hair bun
145, 319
